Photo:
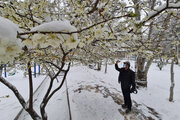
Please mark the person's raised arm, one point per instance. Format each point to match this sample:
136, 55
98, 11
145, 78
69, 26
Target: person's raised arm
116, 66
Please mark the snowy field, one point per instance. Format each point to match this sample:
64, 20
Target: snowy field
93, 95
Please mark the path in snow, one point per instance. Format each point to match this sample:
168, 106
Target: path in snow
136, 114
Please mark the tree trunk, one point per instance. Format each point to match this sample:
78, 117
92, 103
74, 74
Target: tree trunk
140, 75
1, 70
106, 66
148, 64
177, 54
140, 60
140, 68
43, 112
67, 95
172, 82
99, 66
34, 115
176, 60
30, 86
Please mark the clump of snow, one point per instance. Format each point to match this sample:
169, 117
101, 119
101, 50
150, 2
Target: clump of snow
123, 4
68, 41
10, 46
174, 4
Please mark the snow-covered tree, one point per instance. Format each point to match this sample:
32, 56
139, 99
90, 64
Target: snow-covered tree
55, 33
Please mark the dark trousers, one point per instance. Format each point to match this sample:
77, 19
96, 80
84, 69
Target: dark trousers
127, 97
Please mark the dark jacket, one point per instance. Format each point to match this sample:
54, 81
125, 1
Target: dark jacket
126, 77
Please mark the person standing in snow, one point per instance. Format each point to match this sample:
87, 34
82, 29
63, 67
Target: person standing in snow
127, 80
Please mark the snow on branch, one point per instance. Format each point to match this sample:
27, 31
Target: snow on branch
77, 31
157, 11
10, 46
68, 41
174, 5
160, 9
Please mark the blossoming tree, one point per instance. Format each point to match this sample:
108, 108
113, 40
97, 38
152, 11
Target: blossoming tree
54, 33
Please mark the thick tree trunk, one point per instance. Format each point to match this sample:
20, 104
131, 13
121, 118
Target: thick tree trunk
148, 64
141, 74
34, 115
140, 68
140, 60
172, 82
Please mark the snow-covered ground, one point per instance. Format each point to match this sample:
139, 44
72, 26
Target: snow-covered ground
95, 95
9, 107
155, 96
157, 93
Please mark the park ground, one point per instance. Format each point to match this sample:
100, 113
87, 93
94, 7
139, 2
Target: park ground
94, 95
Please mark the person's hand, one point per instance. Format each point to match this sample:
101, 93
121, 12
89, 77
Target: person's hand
133, 90
117, 61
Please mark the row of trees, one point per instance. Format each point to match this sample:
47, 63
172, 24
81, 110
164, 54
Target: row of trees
94, 31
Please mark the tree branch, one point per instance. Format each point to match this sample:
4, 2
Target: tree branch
94, 7
60, 84
30, 87
167, 3
160, 11
47, 96
54, 65
15, 91
169, 6
79, 31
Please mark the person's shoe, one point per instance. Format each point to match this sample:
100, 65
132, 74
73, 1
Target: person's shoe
124, 106
128, 111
